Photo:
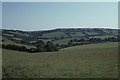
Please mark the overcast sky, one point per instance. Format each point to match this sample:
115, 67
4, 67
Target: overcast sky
51, 15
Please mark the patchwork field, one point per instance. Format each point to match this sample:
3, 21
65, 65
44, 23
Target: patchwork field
7, 41
86, 61
63, 41
103, 37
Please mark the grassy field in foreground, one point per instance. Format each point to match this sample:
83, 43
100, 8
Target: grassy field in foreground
86, 61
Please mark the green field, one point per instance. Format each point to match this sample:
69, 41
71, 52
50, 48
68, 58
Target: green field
54, 34
60, 36
63, 41
17, 39
86, 61
91, 33
8, 35
66, 41
26, 35
45, 40
103, 37
77, 35
7, 41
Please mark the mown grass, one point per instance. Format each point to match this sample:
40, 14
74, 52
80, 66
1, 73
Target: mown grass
86, 61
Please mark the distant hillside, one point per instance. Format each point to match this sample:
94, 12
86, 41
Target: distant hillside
61, 36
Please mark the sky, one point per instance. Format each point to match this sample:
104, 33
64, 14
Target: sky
31, 16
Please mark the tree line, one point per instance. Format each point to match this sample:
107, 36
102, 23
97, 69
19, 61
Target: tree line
76, 42
41, 47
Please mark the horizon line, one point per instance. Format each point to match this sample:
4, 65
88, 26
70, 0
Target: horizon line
56, 29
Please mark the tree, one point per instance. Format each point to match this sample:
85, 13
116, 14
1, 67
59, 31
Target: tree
14, 47
50, 46
57, 44
71, 41
32, 50
75, 40
70, 44
82, 39
3, 40
22, 48
40, 41
40, 47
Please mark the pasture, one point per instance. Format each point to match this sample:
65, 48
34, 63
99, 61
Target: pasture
63, 41
7, 41
54, 34
86, 61
103, 37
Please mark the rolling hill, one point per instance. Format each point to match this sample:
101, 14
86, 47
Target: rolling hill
61, 36
95, 60
87, 61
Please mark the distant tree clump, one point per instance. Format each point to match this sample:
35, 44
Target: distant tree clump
40, 47
14, 47
82, 41
49, 46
